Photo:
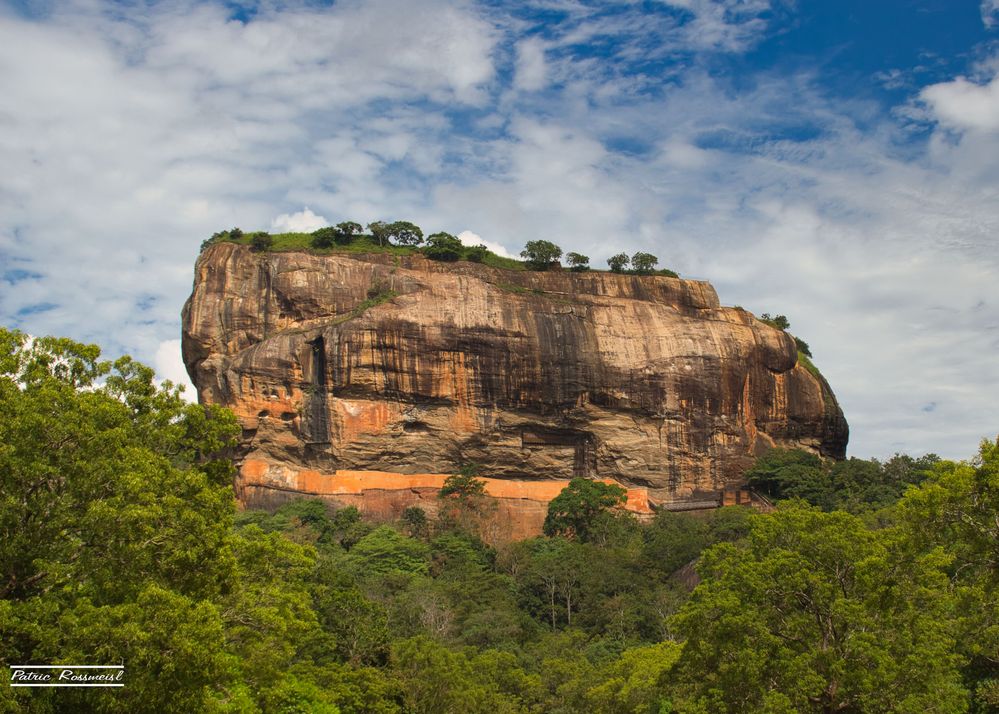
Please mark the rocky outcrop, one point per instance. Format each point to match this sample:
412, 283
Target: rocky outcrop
393, 364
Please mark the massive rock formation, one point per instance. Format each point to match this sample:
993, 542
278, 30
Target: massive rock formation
399, 364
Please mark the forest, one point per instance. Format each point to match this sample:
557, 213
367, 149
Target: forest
872, 587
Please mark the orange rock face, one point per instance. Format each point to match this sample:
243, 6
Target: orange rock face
344, 363
521, 506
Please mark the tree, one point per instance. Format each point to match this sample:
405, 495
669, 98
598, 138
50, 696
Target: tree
437, 680
790, 473
464, 497
618, 262
633, 684
779, 321
803, 347
956, 510
415, 520
578, 262
853, 485
115, 526
346, 230
324, 237
443, 246
261, 241
553, 577
385, 550
464, 485
359, 626
476, 254
379, 231
644, 263
816, 613
541, 254
576, 510
405, 233
271, 612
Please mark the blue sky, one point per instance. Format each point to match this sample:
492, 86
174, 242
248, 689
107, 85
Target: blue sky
834, 162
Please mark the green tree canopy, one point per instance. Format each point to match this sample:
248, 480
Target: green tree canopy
477, 253
540, 254
405, 233
261, 241
789, 473
464, 499
956, 511
618, 263
380, 232
324, 237
576, 510
115, 525
443, 246
853, 484
644, 263
578, 262
814, 613
779, 321
346, 230
385, 550
463, 485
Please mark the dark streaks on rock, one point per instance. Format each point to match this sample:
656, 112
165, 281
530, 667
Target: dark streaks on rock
648, 380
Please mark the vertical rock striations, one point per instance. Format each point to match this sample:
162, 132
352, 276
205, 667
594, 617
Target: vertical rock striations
404, 365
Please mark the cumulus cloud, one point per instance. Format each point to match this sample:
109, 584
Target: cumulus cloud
153, 126
305, 221
965, 105
168, 365
472, 239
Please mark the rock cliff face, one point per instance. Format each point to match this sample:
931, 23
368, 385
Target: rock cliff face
404, 365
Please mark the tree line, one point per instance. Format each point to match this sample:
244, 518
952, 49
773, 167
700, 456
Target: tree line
539, 255
871, 588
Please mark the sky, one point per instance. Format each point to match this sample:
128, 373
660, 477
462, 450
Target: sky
837, 163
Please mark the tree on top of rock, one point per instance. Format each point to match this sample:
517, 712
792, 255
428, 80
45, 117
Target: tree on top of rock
379, 231
443, 246
644, 263
578, 262
617, 263
779, 321
541, 254
405, 233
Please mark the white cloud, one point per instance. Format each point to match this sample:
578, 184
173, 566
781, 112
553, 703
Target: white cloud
154, 126
990, 12
965, 105
728, 25
471, 239
531, 74
168, 365
305, 221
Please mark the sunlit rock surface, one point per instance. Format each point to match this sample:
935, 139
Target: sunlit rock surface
407, 366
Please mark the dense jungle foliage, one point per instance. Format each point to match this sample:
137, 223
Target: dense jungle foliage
872, 588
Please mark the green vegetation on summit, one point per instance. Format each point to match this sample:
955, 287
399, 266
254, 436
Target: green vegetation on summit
406, 238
